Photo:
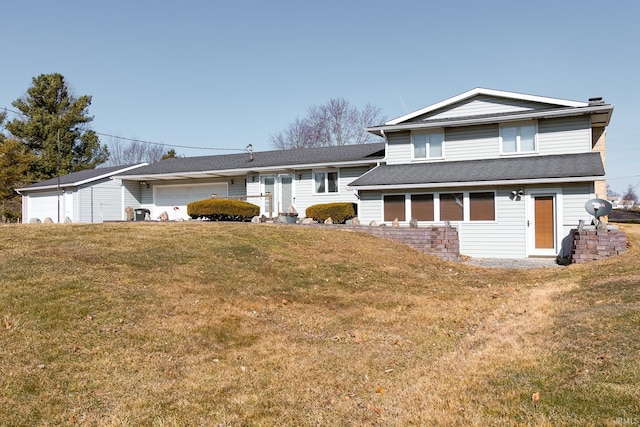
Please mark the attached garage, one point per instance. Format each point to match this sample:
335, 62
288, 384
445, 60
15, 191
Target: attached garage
174, 199
86, 196
44, 204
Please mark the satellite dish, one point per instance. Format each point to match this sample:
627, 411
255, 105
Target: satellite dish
598, 207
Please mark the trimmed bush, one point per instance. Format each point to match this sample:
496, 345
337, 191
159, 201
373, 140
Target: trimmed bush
339, 212
222, 210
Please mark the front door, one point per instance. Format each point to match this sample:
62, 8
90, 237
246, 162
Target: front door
285, 192
543, 224
278, 194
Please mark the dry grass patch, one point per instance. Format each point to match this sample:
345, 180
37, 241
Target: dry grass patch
239, 324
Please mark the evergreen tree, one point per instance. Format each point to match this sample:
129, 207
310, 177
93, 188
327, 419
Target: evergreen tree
15, 164
169, 154
55, 129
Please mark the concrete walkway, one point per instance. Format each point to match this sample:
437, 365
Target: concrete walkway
513, 263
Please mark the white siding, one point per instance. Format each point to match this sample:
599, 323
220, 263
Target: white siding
503, 238
132, 195
574, 198
370, 207
398, 148
472, 142
481, 105
238, 187
564, 136
303, 188
253, 189
555, 136
100, 201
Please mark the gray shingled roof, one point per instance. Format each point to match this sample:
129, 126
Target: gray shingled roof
504, 169
263, 159
76, 177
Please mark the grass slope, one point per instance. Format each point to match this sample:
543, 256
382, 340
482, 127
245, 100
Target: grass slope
217, 324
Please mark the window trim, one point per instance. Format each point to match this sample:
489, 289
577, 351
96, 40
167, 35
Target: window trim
466, 206
519, 125
428, 145
495, 211
326, 173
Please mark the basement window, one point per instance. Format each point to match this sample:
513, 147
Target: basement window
451, 207
394, 207
482, 206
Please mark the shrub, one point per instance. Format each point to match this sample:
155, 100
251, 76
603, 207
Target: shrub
339, 212
222, 210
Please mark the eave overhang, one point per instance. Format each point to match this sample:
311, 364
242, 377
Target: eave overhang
228, 173
497, 183
600, 117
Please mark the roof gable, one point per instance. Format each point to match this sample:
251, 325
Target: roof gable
82, 177
481, 101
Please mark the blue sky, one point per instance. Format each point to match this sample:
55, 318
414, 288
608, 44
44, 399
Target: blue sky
226, 74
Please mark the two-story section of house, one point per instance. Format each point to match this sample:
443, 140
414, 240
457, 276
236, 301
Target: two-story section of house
511, 171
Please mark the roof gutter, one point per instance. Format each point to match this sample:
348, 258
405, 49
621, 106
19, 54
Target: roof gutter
478, 183
243, 171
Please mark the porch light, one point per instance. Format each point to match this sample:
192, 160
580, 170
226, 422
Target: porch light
517, 194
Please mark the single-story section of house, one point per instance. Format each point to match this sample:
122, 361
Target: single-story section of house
87, 196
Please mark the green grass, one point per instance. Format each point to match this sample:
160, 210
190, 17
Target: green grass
245, 324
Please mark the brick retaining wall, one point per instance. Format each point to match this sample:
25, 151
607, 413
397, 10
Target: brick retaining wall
440, 241
591, 245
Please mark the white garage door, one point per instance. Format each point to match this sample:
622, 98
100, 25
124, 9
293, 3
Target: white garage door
43, 205
169, 197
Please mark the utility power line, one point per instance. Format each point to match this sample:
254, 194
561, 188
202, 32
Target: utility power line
148, 142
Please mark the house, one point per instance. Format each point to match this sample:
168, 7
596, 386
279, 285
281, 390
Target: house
510, 171
273, 180
86, 196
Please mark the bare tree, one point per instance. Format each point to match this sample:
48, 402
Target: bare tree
630, 194
335, 123
133, 151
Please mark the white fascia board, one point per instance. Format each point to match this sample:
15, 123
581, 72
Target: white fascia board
48, 187
236, 172
77, 183
107, 175
479, 183
490, 92
547, 114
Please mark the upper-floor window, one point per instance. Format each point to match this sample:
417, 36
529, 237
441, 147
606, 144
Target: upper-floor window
518, 139
428, 145
325, 182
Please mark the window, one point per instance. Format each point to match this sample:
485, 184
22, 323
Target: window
325, 182
518, 139
394, 207
482, 206
428, 145
422, 207
451, 207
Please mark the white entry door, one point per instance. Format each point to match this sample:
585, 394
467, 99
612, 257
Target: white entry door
277, 191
